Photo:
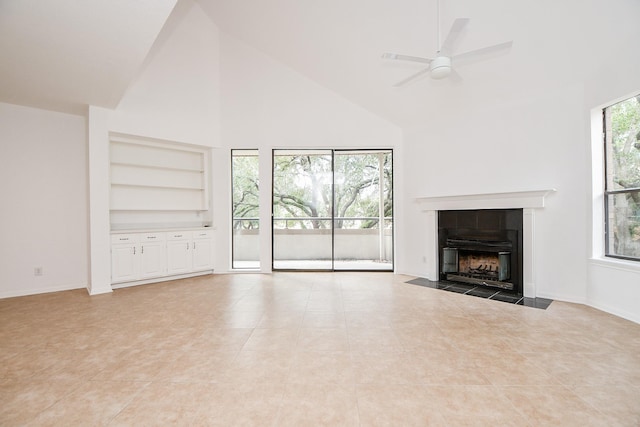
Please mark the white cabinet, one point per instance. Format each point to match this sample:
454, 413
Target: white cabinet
202, 254
124, 266
137, 256
179, 258
152, 255
143, 256
189, 251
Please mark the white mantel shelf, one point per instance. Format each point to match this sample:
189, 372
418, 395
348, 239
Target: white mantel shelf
511, 200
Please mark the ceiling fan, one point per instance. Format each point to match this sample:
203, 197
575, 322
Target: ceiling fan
441, 66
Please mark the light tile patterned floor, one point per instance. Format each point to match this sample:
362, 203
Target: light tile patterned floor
294, 349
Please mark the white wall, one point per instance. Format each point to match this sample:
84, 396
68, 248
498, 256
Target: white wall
539, 120
176, 95
267, 105
534, 145
43, 182
613, 285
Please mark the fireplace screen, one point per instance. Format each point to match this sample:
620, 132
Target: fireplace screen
478, 266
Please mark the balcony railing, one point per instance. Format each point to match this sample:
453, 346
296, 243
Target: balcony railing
310, 238
253, 222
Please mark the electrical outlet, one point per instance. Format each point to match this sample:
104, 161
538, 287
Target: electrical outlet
37, 271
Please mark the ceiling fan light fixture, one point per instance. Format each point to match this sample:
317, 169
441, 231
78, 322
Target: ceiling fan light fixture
440, 67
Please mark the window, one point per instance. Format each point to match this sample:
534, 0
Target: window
245, 242
622, 179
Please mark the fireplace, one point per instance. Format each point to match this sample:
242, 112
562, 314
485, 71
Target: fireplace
482, 247
529, 202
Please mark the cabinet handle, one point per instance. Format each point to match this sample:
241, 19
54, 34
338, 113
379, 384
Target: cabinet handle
142, 249
134, 250
194, 245
187, 245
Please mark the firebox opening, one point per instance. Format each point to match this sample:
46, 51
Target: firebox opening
479, 267
482, 247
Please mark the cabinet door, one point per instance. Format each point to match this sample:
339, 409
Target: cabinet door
202, 254
178, 257
124, 263
152, 259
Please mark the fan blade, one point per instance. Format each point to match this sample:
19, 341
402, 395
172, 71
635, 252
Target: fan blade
454, 33
412, 77
478, 53
405, 58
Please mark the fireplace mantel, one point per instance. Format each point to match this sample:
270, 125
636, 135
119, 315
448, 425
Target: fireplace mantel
529, 201
511, 200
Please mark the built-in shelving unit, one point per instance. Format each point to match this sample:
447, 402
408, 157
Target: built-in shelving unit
157, 176
160, 212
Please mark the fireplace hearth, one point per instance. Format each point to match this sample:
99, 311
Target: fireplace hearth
482, 248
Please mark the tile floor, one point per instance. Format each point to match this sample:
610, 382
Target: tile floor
302, 349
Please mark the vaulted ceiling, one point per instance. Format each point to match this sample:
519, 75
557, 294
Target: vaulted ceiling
339, 44
66, 54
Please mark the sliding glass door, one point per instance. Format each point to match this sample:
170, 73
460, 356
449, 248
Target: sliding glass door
332, 210
302, 210
363, 213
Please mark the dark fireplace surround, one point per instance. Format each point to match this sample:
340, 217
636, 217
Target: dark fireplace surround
482, 247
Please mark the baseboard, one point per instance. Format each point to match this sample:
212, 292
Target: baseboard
422, 275
160, 279
632, 317
48, 289
563, 298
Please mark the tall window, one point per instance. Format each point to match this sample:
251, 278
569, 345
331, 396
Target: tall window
622, 183
245, 223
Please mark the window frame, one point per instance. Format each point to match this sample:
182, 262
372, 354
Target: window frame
612, 192
233, 265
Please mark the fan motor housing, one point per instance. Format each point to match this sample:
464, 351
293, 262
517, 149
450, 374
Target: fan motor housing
440, 67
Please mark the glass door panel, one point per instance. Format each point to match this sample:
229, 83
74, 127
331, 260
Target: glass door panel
246, 210
363, 210
302, 210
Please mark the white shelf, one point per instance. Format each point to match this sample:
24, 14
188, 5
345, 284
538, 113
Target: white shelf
131, 175
508, 200
156, 198
168, 187
161, 177
147, 155
164, 168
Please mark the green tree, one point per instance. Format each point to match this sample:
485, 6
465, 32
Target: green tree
302, 189
245, 191
303, 186
357, 188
